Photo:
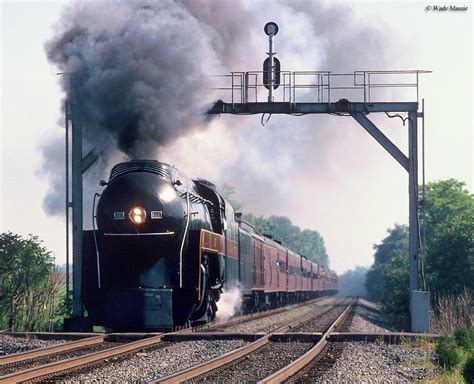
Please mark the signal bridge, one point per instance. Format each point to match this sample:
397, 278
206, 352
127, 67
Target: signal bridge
356, 94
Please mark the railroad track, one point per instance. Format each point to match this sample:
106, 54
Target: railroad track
20, 361
200, 371
315, 352
216, 325
35, 372
309, 347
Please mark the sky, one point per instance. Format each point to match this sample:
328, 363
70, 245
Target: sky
325, 173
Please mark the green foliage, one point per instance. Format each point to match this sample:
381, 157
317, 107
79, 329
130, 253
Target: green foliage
455, 353
228, 192
261, 224
449, 270
375, 281
352, 282
464, 336
468, 370
306, 242
28, 289
62, 310
450, 237
396, 293
395, 243
392, 246
448, 353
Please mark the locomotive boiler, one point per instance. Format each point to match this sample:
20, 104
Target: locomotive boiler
163, 247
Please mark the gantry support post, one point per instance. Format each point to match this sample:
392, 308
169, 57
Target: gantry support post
419, 299
79, 166
413, 203
77, 222
77, 219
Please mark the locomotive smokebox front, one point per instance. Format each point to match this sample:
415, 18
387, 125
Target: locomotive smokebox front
141, 219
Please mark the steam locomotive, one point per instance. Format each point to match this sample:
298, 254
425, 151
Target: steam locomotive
164, 247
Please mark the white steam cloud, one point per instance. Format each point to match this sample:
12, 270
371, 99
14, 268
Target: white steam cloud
229, 303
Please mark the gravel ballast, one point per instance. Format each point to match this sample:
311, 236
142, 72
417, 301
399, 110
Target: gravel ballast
368, 318
9, 344
257, 365
321, 323
350, 362
272, 322
150, 364
56, 357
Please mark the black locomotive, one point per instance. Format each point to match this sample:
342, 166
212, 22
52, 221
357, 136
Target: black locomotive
166, 246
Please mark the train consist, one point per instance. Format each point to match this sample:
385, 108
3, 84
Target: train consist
165, 247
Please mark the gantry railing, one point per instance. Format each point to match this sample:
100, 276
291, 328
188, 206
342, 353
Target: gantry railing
322, 86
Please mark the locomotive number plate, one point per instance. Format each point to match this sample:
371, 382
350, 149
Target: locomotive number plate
119, 215
156, 215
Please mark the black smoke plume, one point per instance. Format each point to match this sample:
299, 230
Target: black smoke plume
142, 83
139, 71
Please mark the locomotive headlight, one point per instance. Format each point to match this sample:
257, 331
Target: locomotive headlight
137, 215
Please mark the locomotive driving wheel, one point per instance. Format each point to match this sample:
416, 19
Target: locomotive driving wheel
207, 308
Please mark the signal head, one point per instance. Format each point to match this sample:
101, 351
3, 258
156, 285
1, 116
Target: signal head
271, 28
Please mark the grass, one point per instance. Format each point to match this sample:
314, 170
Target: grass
451, 347
437, 374
449, 312
453, 318
444, 378
418, 342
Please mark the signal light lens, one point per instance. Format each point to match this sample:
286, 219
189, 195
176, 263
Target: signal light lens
137, 215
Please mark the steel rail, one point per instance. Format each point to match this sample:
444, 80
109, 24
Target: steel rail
256, 316
218, 362
80, 361
15, 358
64, 365
292, 368
87, 359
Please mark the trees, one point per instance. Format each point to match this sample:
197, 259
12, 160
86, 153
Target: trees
28, 284
352, 282
449, 269
449, 223
228, 191
387, 279
395, 245
306, 242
